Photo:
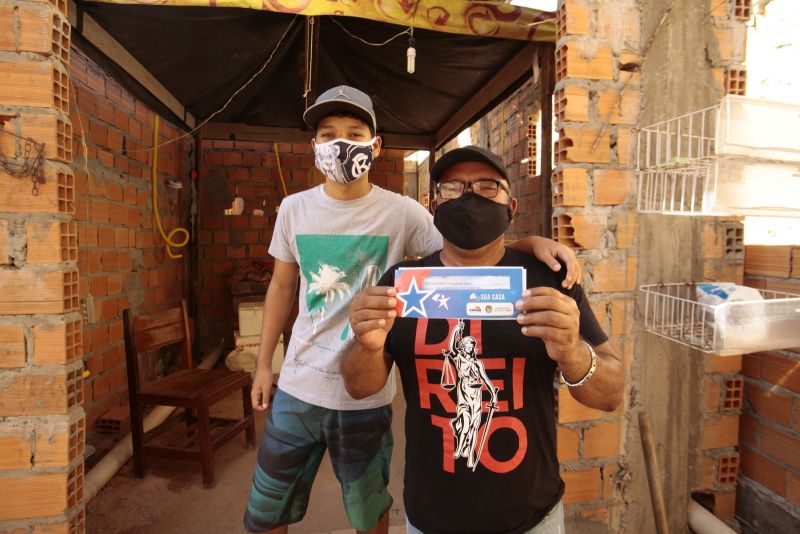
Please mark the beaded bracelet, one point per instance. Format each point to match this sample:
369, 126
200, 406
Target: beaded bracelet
589, 373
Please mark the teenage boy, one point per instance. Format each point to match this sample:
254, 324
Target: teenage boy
480, 416
337, 238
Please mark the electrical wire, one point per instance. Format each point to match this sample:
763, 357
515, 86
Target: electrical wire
168, 238
235, 93
387, 41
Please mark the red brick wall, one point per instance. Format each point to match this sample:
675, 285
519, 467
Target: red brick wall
121, 257
250, 170
770, 426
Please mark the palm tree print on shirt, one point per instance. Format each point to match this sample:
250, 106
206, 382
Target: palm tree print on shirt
335, 268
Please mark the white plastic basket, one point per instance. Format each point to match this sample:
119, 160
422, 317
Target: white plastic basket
673, 311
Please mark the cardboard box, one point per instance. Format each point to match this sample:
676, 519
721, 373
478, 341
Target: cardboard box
251, 314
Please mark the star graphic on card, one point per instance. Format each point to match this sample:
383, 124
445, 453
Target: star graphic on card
442, 300
414, 299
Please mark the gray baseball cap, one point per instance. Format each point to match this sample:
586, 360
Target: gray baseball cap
468, 153
341, 98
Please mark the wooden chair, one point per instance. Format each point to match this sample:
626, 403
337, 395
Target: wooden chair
195, 390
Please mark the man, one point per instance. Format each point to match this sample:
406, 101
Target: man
337, 238
509, 480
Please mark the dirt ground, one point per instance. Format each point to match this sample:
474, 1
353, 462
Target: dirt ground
171, 499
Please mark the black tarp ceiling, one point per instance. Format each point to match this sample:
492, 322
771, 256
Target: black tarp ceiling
203, 55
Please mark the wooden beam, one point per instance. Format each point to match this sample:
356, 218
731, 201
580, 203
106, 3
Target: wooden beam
234, 131
103, 41
546, 58
510, 73
244, 132
407, 141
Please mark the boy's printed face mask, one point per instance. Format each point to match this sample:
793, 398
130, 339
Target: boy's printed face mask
343, 161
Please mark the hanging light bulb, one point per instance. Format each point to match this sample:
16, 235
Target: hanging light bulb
411, 54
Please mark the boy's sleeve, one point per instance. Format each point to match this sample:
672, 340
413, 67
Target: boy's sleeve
590, 329
280, 247
422, 237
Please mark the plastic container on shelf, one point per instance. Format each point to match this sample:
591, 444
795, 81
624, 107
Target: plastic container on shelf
739, 157
757, 128
674, 312
752, 187
251, 314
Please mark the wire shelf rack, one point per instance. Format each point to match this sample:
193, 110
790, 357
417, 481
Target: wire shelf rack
674, 312
739, 157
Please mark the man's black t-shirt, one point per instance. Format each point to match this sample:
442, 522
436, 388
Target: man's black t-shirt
456, 480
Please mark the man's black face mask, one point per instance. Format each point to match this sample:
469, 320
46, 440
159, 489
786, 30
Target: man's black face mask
471, 221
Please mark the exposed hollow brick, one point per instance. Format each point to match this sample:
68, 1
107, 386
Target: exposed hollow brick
581, 486
625, 144
12, 346
573, 18
619, 22
720, 432
612, 186
57, 344
75, 486
601, 440
33, 495
51, 130
26, 292
617, 272
570, 187
616, 109
30, 395
35, 84
742, 9
706, 473
734, 240
735, 81
711, 393
532, 136
589, 229
780, 444
626, 228
571, 103
4, 240
52, 242
567, 440
728, 470
56, 195
582, 145
734, 394
7, 38
563, 231
44, 32
769, 403
768, 261
725, 505
586, 60
731, 43
763, 470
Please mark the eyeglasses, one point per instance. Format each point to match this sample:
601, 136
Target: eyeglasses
485, 187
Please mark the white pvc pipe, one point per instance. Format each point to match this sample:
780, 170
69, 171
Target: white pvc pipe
704, 522
116, 457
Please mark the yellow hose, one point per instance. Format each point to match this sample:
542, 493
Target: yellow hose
280, 171
167, 238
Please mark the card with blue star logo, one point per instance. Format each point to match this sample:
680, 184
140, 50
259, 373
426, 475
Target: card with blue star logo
459, 292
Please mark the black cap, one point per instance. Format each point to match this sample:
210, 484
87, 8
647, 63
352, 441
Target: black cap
341, 98
465, 154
